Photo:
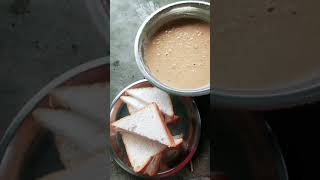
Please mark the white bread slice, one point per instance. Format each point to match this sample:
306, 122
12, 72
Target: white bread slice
131, 109
153, 167
140, 150
69, 153
72, 126
89, 100
147, 122
134, 105
153, 94
95, 168
143, 152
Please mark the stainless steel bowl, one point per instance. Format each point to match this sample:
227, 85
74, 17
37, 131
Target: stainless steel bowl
190, 127
184, 9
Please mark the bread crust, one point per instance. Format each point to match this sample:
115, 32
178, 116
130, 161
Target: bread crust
164, 124
171, 105
141, 169
168, 119
152, 169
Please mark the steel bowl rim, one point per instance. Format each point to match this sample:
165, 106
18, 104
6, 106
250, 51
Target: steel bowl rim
140, 61
180, 165
27, 108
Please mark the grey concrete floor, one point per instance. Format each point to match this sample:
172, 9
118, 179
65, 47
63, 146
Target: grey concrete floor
38, 44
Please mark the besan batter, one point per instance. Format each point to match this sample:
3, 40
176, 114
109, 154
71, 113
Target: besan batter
178, 55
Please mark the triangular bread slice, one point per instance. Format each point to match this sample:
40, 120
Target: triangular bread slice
140, 150
147, 122
134, 105
131, 109
89, 100
73, 127
94, 168
153, 167
143, 152
153, 94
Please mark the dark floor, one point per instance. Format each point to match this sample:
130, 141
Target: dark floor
38, 42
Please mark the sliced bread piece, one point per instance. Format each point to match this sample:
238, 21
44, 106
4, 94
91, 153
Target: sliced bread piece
153, 167
131, 109
153, 94
134, 105
147, 122
95, 168
89, 100
72, 126
140, 150
144, 154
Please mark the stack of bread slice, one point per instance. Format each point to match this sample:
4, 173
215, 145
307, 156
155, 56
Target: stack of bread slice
77, 117
144, 132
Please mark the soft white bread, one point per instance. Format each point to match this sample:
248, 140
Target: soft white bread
153, 167
73, 127
147, 122
140, 150
168, 120
133, 105
95, 168
143, 152
153, 94
89, 100
131, 109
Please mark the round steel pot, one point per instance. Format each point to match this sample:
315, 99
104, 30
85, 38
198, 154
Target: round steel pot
179, 10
